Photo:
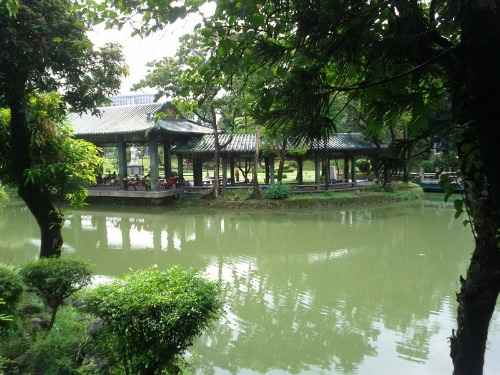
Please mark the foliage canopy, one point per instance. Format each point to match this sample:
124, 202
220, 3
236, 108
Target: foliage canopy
151, 316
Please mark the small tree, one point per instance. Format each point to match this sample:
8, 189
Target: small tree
151, 317
44, 48
54, 280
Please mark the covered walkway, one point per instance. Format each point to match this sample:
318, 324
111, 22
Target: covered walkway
162, 134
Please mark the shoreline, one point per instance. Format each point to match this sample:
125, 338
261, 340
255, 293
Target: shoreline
358, 198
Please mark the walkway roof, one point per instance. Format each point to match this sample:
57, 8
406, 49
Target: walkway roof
245, 143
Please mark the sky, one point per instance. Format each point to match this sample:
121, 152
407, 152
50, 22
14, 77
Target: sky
139, 51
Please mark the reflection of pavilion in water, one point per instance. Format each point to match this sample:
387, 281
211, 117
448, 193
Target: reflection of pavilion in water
146, 232
304, 291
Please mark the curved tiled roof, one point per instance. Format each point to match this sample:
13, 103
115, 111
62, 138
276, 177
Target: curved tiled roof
245, 143
342, 142
183, 126
115, 120
130, 119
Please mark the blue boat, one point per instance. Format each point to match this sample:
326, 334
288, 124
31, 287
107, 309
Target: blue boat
435, 187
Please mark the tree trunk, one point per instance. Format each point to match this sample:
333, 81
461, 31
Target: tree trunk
48, 217
281, 165
479, 290
216, 187
406, 156
37, 199
256, 190
300, 171
244, 170
476, 95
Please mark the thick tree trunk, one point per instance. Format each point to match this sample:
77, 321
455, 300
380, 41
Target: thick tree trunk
479, 290
48, 217
475, 103
37, 199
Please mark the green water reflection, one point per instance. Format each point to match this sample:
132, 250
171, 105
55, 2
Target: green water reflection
324, 292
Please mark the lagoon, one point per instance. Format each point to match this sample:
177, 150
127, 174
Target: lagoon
323, 291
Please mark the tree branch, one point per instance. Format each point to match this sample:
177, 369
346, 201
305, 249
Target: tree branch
367, 84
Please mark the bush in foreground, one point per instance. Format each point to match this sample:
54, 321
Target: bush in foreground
11, 288
59, 351
151, 317
56, 279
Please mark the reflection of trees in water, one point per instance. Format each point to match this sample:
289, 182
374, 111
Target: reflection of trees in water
304, 290
387, 275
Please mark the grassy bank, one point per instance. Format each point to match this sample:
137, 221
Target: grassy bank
372, 196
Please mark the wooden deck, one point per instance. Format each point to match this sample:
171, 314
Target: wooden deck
99, 192
106, 194
113, 194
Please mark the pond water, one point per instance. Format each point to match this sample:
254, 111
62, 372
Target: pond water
362, 291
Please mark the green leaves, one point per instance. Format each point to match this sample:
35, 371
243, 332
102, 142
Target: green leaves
277, 191
459, 207
46, 44
11, 288
10, 6
56, 279
59, 162
152, 316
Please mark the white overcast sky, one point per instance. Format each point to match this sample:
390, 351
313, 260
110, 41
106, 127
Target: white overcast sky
139, 51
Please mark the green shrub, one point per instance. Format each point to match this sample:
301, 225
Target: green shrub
61, 350
11, 288
277, 191
4, 317
151, 317
55, 279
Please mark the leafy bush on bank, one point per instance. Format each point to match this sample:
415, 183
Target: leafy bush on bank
277, 191
56, 279
11, 288
141, 324
151, 317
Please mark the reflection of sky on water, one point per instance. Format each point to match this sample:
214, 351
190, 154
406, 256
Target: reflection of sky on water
325, 292
141, 239
86, 222
114, 233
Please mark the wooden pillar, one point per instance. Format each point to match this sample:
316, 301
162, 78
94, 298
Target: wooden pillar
300, 169
271, 170
224, 171
266, 171
333, 171
197, 171
122, 163
353, 171
346, 169
153, 164
167, 160
180, 166
231, 170
317, 170
327, 172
